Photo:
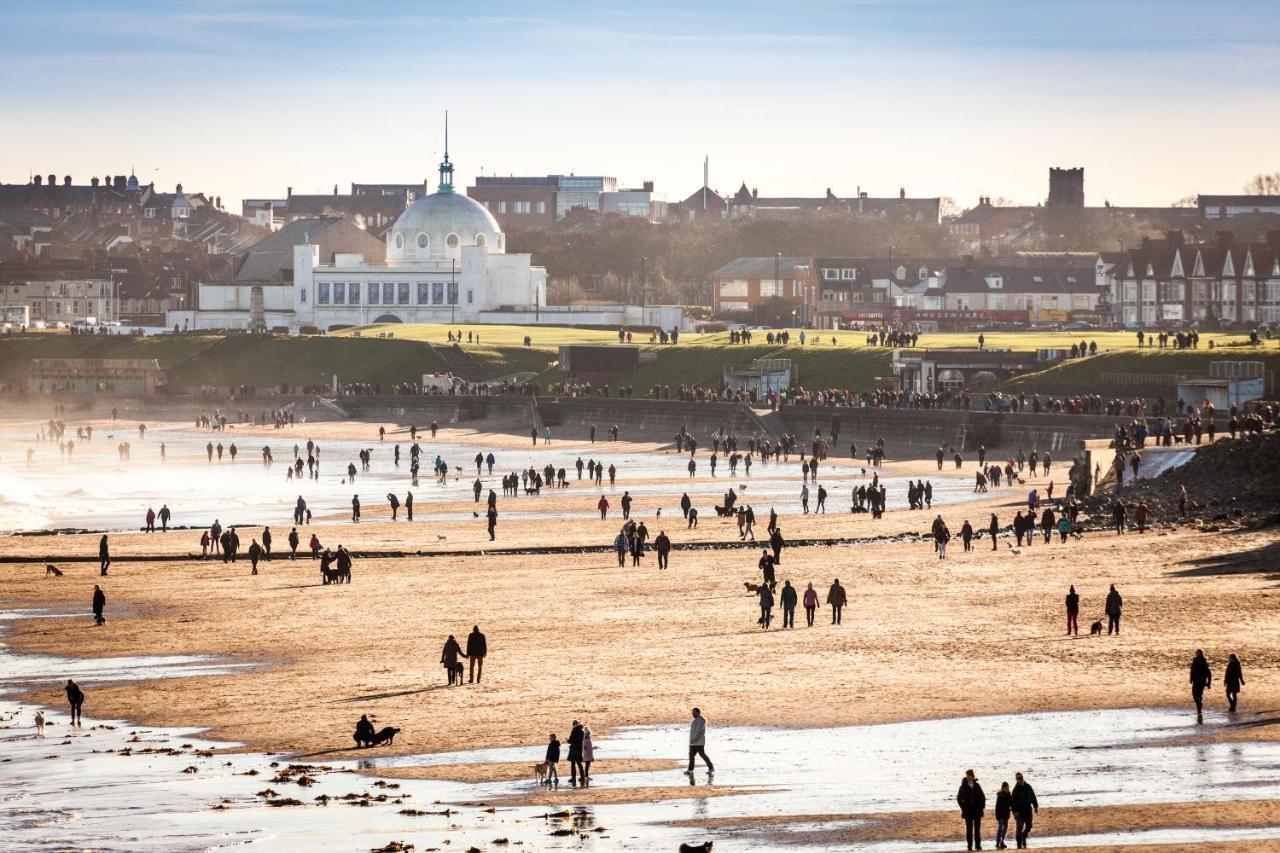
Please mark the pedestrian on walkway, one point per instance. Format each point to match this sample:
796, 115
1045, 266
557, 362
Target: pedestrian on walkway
837, 598
698, 742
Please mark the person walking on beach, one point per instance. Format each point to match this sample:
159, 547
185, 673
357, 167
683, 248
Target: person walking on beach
266, 544
151, 520
75, 697
810, 604
1004, 809
766, 606
104, 556
449, 658
99, 604
1073, 613
1025, 806
575, 753
491, 518
603, 506
966, 535
255, 554
972, 802
553, 745
662, 545
777, 543
789, 599
293, 544
837, 598
1113, 608
994, 529
1201, 679
355, 508
477, 649
698, 742
1233, 678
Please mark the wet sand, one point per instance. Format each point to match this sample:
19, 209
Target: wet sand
573, 635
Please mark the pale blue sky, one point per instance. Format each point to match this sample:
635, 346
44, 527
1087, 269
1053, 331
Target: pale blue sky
243, 98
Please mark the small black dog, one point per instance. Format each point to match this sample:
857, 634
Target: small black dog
455, 673
1095, 630
385, 735
704, 847
51, 569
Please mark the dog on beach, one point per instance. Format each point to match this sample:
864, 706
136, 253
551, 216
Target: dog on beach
1095, 630
540, 772
704, 847
386, 735
440, 537
725, 511
39, 723
1013, 550
50, 570
455, 673
751, 587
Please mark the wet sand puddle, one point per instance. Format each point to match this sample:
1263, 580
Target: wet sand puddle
111, 786
104, 494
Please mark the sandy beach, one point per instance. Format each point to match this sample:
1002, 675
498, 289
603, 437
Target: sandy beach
573, 635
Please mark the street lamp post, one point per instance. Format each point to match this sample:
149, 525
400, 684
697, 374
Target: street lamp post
777, 280
453, 286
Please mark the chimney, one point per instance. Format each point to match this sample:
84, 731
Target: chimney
755, 193
1174, 238
647, 186
37, 180
335, 189
862, 195
830, 194
178, 189
119, 182
902, 192
93, 182
1225, 239
53, 180
289, 192
66, 180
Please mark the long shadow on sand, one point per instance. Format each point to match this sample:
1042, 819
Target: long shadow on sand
1264, 560
391, 695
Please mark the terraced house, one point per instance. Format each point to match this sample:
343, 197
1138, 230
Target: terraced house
1171, 282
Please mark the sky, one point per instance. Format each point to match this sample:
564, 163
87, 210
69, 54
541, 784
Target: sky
243, 98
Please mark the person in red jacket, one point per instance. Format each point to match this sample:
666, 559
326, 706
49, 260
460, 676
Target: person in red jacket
603, 506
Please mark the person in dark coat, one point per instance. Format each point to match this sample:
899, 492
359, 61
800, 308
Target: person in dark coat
789, 600
1025, 805
293, 544
477, 649
1113, 607
1233, 678
575, 754
104, 556
75, 697
776, 542
1004, 808
662, 545
266, 544
685, 503
255, 554
99, 604
972, 802
1201, 678
1073, 612
449, 657
994, 529
837, 598
364, 732
553, 755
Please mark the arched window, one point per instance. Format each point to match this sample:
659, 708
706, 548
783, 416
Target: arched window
422, 240
452, 241
480, 240
399, 240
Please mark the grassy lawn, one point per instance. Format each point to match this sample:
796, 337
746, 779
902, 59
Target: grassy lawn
1083, 372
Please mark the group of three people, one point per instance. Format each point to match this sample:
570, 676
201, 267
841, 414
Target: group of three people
1020, 803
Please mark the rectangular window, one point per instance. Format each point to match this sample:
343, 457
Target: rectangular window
733, 288
402, 293
437, 293
353, 293
302, 295
470, 297
388, 293
339, 293
322, 293
847, 274
502, 207
374, 292
542, 207
452, 291
422, 292
523, 207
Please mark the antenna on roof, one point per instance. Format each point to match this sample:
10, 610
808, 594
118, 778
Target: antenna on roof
446, 168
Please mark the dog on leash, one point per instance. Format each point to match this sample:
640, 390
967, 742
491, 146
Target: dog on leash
50, 570
39, 723
751, 587
540, 772
704, 847
455, 673
1095, 630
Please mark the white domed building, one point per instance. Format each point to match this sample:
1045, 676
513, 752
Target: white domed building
446, 261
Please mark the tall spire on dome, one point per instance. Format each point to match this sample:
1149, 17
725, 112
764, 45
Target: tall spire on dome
446, 168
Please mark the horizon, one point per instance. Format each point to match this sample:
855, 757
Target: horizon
775, 99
